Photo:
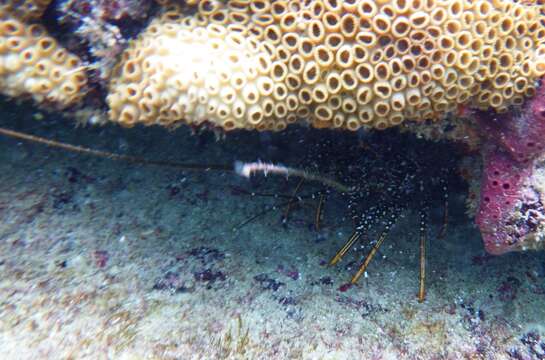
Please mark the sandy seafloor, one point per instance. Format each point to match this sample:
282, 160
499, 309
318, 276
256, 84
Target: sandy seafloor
101, 259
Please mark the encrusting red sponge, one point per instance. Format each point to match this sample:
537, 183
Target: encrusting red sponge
510, 206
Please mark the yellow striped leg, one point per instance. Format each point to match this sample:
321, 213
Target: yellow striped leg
351, 241
422, 282
319, 211
369, 257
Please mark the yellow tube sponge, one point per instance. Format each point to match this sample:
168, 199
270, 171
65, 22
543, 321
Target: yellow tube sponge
33, 64
260, 64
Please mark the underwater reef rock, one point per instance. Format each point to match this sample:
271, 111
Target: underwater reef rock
455, 70
105, 9
519, 132
94, 25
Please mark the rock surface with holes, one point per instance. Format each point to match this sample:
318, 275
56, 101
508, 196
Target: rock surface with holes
335, 64
501, 193
511, 215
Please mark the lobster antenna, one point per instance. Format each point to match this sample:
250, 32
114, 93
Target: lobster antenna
247, 169
112, 156
243, 169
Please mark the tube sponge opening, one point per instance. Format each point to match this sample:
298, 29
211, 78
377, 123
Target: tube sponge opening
33, 64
